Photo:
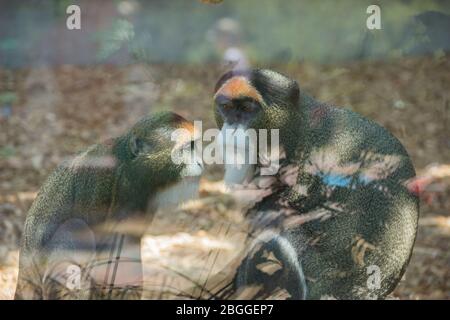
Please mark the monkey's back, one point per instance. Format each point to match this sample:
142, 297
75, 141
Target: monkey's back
350, 219
78, 188
356, 176
75, 196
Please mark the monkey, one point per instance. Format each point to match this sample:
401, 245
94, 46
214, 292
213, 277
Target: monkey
339, 221
77, 242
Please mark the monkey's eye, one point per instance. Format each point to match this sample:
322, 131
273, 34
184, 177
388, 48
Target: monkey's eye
248, 106
227, 106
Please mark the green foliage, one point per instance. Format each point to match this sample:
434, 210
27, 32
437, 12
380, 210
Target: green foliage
321, 31
7, 152
119, 35
271, 31
7, 97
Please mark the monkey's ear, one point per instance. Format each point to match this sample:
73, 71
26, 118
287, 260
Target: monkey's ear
138, 146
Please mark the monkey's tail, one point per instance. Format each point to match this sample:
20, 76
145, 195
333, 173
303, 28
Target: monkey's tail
285, 252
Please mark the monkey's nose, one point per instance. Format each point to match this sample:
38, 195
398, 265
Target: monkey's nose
235, 115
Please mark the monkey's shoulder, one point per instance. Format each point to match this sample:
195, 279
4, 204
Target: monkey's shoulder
331, 121
350, 134
76, 180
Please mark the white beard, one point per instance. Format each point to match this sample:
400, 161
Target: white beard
240, 172
237, 175
184, 190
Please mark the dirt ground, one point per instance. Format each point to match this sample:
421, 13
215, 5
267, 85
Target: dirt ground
59, 111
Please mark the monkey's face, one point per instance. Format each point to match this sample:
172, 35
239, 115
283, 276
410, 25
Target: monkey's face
159, 158
237, 102
258, 99
247, 102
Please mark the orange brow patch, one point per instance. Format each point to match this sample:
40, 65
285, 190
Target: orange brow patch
188, 126
238, 87
180, 122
